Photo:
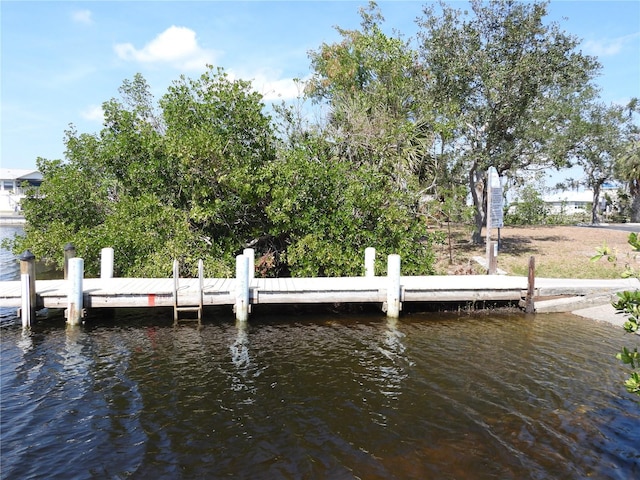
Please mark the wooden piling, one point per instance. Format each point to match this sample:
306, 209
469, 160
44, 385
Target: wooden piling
393, 286
106, 263
69, 253
241, 307
28, 278
531, 281
370, 262
75, 300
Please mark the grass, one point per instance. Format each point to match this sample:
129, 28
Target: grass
559, 252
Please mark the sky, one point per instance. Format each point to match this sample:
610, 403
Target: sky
60, 60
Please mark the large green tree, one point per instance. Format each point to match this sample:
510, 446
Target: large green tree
159, 181
372, 83
501, 77
201, 174
324, 212
598, 134
627, 167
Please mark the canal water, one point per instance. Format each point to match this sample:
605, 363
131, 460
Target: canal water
429, 396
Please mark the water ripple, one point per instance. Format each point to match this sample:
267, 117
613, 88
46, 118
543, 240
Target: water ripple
321, 397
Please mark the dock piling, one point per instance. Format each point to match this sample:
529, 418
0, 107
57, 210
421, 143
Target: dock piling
393, 286
251, 255
370, 262
75, 306
530, 306
106, 263
26, 312
28, 277
241, 306
69, 253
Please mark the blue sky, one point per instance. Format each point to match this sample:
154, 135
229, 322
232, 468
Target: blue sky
60, 59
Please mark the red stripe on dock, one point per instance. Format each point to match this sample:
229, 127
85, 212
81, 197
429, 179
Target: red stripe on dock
151, 300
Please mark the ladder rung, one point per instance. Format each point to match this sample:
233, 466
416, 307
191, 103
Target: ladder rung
187, 309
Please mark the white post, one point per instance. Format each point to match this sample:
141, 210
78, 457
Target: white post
75, 297
369, 262
28, 275
393, 286
26, 311
242, 288
251, 255
106, 263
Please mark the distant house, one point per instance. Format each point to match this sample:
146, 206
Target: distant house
570, 202
11, 190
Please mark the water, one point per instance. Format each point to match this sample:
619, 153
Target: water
321, 396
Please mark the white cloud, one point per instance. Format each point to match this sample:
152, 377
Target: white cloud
82, 16
610, 46
93, 113
269, 83
177, 46
278, 89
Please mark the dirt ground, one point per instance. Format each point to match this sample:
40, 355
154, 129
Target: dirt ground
559, 252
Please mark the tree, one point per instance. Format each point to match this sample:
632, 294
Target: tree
502, 78
529, 207
598, 133
372, 83
324, 212
627, 166
172, 181
202, 175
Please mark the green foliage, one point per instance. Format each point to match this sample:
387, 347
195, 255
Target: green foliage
379, 114
628, 304
604, 252
326, 212
627, 164
503, 77
528, 209
158, 184
597, 131
202, 177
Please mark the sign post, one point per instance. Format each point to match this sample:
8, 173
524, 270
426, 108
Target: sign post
494, 216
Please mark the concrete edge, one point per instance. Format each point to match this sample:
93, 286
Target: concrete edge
570, 304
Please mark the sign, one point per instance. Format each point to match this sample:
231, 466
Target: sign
495, 199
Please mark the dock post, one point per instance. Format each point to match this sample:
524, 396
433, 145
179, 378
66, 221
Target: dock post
241, 306
393, 286
369, 262
493, 258
251, 255
69, 253
529, 306
106, 263
26, 312
28, 277
75, 307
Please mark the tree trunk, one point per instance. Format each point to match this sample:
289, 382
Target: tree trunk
476, 185
635, 201
594, 206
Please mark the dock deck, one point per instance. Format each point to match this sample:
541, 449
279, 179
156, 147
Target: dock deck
158, 292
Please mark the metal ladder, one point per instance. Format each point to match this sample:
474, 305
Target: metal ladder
177, 308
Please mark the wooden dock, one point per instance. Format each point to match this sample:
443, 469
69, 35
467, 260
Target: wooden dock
156, 292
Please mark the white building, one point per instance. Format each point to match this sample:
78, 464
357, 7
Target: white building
11, 190
570, 202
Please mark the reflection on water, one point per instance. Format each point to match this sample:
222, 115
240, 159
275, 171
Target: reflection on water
318, 397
